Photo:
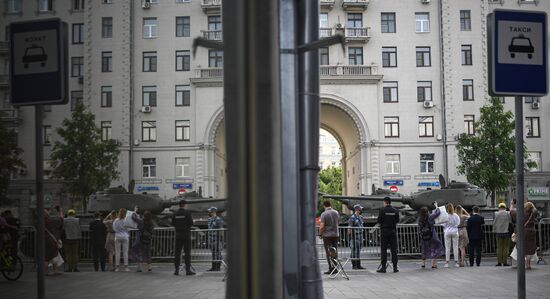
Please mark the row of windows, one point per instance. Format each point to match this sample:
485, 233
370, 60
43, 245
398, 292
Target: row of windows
389, 56
14, 6
390, 91
183, 26
182, 167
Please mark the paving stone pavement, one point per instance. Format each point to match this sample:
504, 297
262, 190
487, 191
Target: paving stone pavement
486, 281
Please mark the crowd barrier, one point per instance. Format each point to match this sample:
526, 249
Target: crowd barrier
408, 242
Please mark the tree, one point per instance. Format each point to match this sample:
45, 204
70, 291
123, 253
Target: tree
488, 157
10, 160
82, 160
330, 182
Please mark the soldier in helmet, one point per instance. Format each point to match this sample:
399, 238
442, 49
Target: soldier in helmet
215, 224
355, 232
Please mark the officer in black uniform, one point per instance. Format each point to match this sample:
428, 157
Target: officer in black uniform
182, 222
388, 219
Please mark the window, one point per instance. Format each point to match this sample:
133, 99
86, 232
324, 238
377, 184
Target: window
106, 1
149, 96
182, 167
391, 126
355, 20
215, 58
468, 90
323, 20
148, 131
183, 27
183, 130
183, 1
47, 135
529, 100
149, 167
78, 4
149, 27
45, 5
425, 126
466, 54
76, 98
106, 128
150, 61
214, 23
388, 22
106, 96
389, 91
389, 56
355, 56
323, 56
427, 163
532, 126
465, 20
535, 157
107, 27
183, 61
424, 91
183, 95
106, 62
422, 22
77, 65
13, 6
393, 164
423, 57
469, 121
78, 37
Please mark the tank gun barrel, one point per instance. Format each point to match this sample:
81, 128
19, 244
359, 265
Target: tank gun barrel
345, 199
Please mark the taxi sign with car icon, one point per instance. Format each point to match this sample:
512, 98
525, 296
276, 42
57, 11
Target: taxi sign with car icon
521, 44
33, 54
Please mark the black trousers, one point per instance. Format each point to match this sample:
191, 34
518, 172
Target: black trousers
330, 242
475, 249
388, 237
98, 256
183, 240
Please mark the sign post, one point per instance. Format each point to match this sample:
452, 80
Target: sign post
518, 66
38, 76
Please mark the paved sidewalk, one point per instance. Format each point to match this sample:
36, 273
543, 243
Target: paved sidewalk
486, 281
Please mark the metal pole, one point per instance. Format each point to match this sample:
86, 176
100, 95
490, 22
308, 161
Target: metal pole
40, 255
520, 186
308, 74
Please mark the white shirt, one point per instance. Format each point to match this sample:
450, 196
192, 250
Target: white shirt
451, 226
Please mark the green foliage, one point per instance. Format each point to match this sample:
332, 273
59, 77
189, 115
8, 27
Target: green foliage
330, 182
82, 160
10, 160
488, 157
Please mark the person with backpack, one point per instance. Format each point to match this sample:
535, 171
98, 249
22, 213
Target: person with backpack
432, 248
141, 250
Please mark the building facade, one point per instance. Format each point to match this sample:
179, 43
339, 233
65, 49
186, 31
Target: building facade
411, 78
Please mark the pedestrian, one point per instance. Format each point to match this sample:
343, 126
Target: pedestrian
71, 225
122, 237
13, 231
328, 232
356, 231
501, 224
530, 244
475, 235
450, 229
432, 248
53, 225
215, 224
182, 222
110, 239
98, 236
462, 232
388, 217
141, 250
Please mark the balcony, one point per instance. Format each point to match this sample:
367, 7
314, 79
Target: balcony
4, 48
327, 4
4, 80
349, 74
208, 77
211, 7
212, 34
358, 34
355, 5
9, 116
326, 32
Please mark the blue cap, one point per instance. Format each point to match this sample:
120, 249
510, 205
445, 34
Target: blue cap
212, 209
357, 206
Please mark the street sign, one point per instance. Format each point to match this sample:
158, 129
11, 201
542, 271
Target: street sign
394, 189
518, 53
181, 191
38, 62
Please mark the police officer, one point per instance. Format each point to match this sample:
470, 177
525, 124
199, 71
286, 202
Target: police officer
356, 236
182, 222
388, 219
215, 224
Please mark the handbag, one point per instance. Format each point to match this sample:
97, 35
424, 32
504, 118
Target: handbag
58, 260
58, 242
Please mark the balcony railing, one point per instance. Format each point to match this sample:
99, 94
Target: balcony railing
358, 33
211, 6
355, 4
8, 115
4, 47
212, 34
346, 70
207, 73
325, 32
327, 3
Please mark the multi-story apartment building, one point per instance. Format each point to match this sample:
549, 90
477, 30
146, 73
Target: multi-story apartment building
412, 77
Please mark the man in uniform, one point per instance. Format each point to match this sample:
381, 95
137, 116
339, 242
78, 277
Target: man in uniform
215, 224
388, 219
182, 222
328, 231
356, 236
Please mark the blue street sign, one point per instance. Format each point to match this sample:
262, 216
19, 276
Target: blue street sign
147, 188
186, 186
428, 184
393, 182
518, 53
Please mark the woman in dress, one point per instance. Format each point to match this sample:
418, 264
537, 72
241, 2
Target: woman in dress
141, 250
462, 233
530, 213
110, 239
432, 248
450, 229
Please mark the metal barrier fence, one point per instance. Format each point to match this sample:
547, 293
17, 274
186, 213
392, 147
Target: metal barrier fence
408, 242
